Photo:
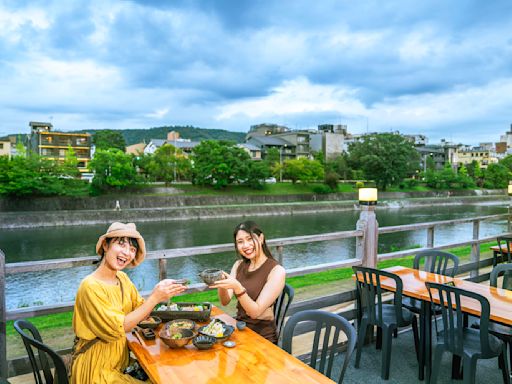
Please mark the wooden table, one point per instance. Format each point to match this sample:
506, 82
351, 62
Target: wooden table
496, 252
500, 301
253, 360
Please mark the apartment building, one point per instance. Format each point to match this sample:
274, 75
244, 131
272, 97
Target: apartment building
54, 145
5, 147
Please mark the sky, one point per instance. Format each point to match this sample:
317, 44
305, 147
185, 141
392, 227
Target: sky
438, 68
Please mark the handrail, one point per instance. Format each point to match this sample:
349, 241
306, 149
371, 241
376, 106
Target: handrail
165, 254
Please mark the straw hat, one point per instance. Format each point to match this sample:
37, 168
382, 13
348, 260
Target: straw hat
124, 230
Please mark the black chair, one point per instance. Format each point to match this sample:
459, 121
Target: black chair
467, 343
324, 349
281, 306
505, 247
440, 262
40, 355
373, 311
502, 331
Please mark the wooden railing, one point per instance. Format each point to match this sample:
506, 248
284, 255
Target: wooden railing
168, 254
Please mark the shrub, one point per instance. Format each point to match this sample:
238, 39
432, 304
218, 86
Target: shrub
331, 180
322, 189
359, 184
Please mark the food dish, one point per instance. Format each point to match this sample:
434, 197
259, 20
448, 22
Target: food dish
181, 324
210, 276
217, 329
176, 338
150, 322
193, 311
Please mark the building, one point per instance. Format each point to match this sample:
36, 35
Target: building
253, 151
54, 146
435, 152
330, 139
5, 147
173, 138
481, 155
136, 149
290, 144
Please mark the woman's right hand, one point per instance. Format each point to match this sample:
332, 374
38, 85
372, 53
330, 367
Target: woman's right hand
166, 289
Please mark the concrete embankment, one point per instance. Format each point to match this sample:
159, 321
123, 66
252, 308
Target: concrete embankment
83, 211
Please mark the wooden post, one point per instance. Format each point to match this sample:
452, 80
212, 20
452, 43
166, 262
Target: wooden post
430, 237
475, 248
279, 251
162, 268
3, 320
366, 250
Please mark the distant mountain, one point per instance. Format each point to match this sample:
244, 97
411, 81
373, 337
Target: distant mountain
134, 136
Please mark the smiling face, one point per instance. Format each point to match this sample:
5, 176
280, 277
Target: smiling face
249, 246
118, 253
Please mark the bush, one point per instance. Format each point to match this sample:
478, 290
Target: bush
331, 180
359, 184
322, 189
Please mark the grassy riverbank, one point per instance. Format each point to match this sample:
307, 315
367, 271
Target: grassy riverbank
57, 328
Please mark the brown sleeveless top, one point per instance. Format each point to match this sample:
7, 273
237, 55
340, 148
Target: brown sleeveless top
254, 282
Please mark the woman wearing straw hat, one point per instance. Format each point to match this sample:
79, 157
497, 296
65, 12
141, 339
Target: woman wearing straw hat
108, 305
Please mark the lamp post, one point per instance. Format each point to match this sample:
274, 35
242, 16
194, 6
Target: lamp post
281, 163
366, 247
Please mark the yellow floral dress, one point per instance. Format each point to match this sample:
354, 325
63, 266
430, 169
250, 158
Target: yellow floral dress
99, 312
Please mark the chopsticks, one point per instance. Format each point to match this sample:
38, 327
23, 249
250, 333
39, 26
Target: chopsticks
136, 334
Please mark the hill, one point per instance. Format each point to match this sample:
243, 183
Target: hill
133, 136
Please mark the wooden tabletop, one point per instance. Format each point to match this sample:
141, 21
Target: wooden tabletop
414, 286
496, 248
253, 360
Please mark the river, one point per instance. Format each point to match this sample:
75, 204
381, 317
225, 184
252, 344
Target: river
64, 242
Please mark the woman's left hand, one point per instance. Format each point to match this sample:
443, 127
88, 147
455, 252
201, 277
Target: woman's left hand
228, 282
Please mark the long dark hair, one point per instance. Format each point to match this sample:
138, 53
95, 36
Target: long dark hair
252, 229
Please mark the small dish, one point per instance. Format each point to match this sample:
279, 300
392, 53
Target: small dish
181, 324
210, 276
240, 325
227, 330
204, 342
229, 344
150, 322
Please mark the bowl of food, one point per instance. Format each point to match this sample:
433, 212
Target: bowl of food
210, 276
217, 329
204, 342
150, 322
176, 338
181, 324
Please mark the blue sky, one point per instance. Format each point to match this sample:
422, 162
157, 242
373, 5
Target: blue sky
439, 68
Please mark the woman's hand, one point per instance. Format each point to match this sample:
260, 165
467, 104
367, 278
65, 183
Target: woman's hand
228, 282
166, 289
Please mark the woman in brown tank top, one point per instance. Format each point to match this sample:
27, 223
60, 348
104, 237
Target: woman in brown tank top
256, 280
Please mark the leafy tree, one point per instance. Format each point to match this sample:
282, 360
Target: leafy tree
70, 165
386, 158
219, 163
112, 169
339, 165
303, 169
496, 176
108, 138
258, 172
507, 162
463, 178
169, 163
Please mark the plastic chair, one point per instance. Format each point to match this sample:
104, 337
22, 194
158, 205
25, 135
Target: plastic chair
281, 306
467, 343
504, 242
324, 348
40, 355
440, 262
373, 311
496, 329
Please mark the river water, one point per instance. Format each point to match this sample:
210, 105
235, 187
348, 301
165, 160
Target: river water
48, 287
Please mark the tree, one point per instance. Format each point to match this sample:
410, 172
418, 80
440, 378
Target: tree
496, 176
219, 163
70, 165
108, 138
386, 158
303, 169
112, 169
168, 164
339, 165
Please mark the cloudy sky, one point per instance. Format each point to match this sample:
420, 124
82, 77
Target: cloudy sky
436, 67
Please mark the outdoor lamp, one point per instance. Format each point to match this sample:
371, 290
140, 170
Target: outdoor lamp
509, 189
368, 196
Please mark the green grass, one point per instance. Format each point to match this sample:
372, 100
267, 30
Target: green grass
61, 320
